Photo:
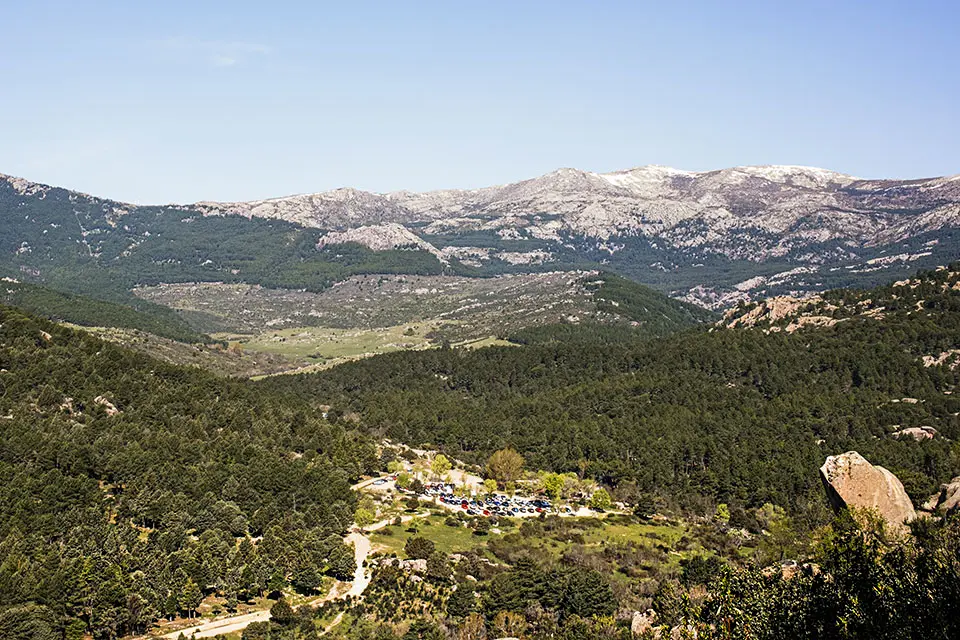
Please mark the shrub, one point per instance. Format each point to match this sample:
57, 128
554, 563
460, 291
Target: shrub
419, 548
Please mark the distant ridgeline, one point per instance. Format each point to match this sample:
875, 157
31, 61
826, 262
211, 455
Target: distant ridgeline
743, 416
103, 248
125, 484
762, 231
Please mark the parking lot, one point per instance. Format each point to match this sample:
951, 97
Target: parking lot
492, 505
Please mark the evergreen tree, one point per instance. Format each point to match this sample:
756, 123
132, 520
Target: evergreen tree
190, 597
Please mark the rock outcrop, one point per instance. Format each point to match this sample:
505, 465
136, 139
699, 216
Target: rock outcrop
851, 481
917, 433
948, 500
644, 623
108, 406
414, 566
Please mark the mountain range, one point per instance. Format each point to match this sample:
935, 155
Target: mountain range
714, 238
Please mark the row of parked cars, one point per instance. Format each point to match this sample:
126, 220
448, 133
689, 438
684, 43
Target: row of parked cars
492, 505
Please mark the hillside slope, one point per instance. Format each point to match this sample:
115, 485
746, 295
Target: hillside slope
90, 312
914, 297
130, 482
737, 415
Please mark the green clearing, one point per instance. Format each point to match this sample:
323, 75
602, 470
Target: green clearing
640, 533
326, 343
594, 534
447, 539
485, 342
317, 348
597, 533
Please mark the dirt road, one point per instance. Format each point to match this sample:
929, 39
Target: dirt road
361, 579
224, 626
361, 549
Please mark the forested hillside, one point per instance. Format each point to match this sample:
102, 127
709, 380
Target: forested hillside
730, 415
103, 248
129, 488
90, 312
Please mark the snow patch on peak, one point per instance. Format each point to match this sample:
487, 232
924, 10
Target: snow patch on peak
650, 172
800, 175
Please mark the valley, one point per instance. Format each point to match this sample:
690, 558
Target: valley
304, 283
480, 321
687, 457
677, 429
492, 305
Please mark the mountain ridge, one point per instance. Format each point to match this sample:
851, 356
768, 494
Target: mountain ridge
709, 237
27, 186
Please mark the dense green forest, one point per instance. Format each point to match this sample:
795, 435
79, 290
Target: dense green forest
737, 416
129, 488
126, 483
90, 312
659, 314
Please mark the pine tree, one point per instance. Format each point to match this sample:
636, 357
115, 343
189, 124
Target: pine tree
190, 597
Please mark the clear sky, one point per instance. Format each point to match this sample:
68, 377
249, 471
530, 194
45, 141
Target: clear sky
184, 101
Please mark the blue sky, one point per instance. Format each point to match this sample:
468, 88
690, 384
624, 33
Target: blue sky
183, 101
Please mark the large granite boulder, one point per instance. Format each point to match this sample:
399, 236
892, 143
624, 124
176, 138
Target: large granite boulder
851, 481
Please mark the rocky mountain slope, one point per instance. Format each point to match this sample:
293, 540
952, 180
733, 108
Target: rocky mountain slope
714, 238
809, 221
784, 207
919, 295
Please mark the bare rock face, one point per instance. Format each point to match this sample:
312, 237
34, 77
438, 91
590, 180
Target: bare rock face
917, 433
948, 500
644, 623
851, 481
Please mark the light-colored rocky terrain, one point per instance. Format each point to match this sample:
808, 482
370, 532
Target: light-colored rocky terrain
755, 213
714, 238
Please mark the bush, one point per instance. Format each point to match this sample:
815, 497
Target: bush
282, 613
257, 631
419, 548
600, 500
699, 569
438, 567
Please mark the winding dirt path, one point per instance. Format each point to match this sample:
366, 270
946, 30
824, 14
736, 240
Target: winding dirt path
361, 579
